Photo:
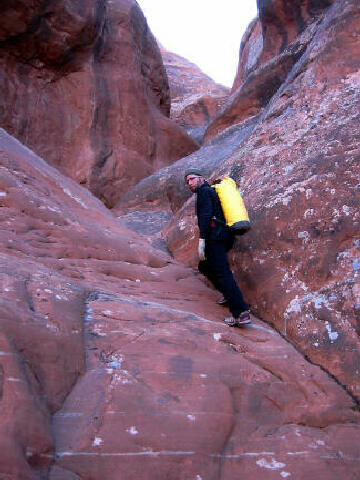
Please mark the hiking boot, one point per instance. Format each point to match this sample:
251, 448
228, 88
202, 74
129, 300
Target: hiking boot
231, 321
243, 319
222, 301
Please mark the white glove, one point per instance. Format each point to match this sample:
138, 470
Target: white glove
201, 249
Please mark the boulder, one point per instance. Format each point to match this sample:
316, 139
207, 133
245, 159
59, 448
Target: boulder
85, 88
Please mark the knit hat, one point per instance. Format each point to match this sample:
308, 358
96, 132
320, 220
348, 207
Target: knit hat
193, 171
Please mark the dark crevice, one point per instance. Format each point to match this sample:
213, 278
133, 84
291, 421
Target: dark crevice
263, 367
229, 435
28, 295
90, 296
99, 130
1, 380
316, 7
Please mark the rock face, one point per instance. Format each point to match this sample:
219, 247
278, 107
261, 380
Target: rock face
86, 89
295, 158
251, 48
114, 362
195, 97
270, 48
165, 189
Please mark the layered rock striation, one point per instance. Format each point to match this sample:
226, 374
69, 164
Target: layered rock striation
85, 87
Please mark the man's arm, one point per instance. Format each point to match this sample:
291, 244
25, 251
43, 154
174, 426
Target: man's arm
205, 212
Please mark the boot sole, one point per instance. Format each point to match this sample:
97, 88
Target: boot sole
244, 322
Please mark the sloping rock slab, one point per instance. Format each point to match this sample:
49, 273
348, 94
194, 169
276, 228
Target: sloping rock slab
125, 350
54, 236
171, 394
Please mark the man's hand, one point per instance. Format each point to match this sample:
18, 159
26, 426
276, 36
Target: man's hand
201, 249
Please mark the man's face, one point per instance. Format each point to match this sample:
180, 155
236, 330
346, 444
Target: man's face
194, 182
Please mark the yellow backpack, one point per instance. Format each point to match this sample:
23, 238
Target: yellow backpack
232, 204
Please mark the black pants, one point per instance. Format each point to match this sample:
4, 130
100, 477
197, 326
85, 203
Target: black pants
216, 269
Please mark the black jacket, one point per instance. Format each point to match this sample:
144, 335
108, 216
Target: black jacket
208, 206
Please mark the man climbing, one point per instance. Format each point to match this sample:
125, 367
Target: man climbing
214, 242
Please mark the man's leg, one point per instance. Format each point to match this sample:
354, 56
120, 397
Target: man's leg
205, 268
220, 270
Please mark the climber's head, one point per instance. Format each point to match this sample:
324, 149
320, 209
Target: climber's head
194, 178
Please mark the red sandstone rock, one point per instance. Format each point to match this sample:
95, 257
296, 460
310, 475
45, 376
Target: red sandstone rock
297, 169
55, 238
278, 25
166, 191
171, 395
195, 97
123, 349
127, 350
269, 49
25, 435
283, 22
296, 164
250, 51
86, 89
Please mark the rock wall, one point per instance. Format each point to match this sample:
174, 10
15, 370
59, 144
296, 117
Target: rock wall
269, 49
195, 97
251, 48
295, 160
276, 29
59, 247
85, 87
114, 361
